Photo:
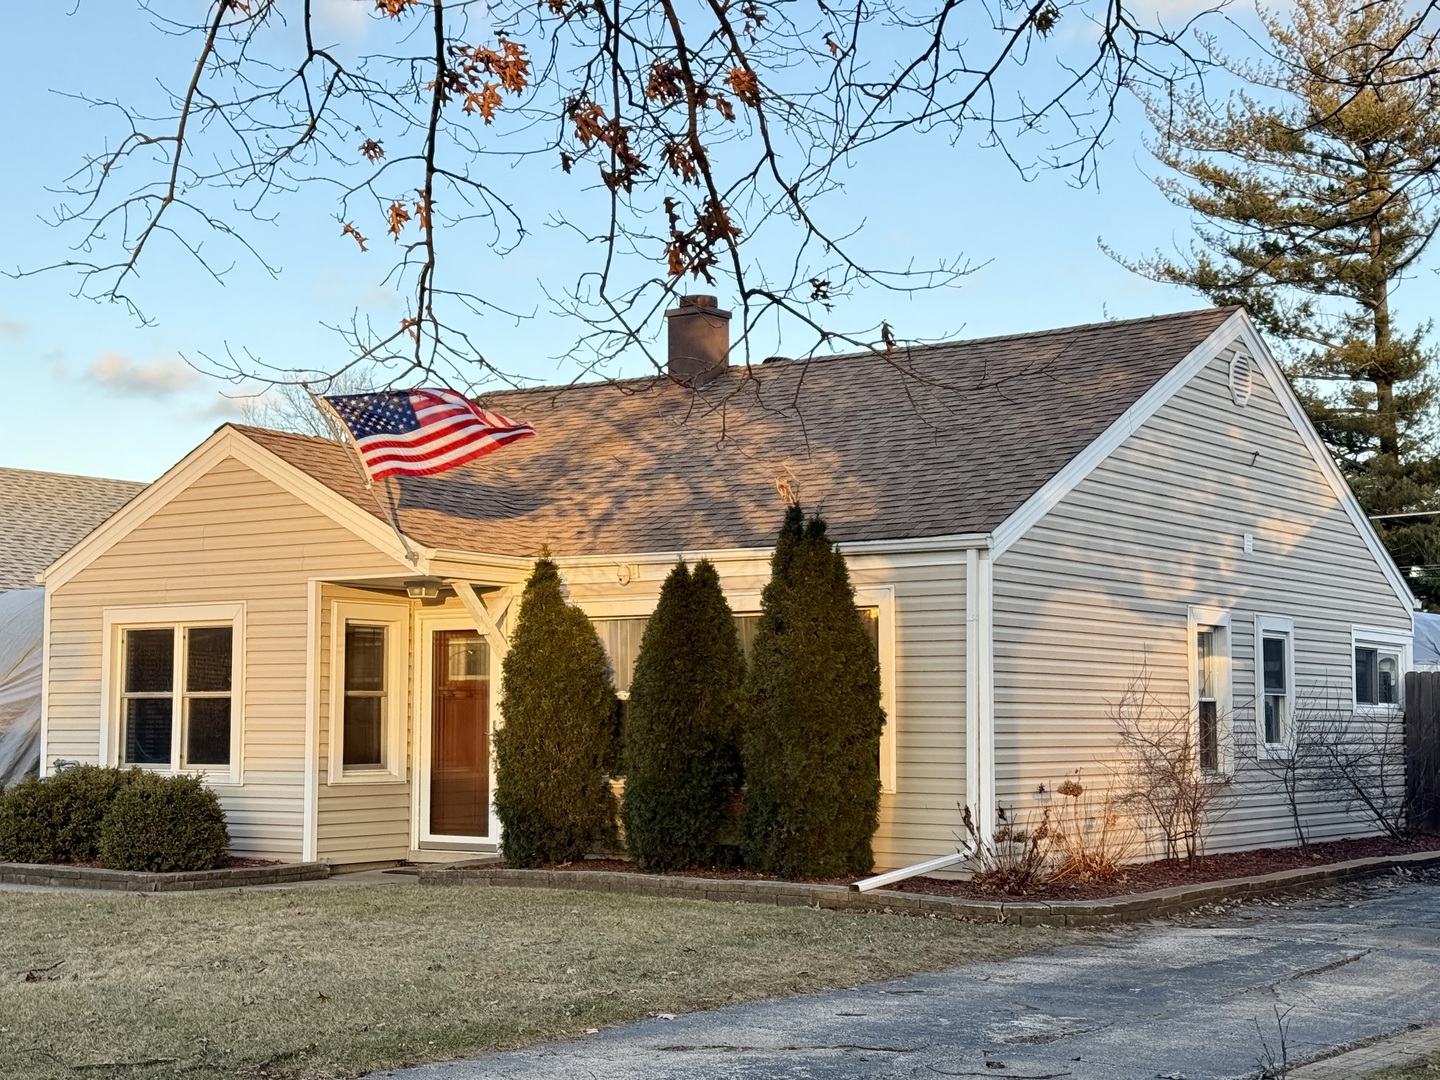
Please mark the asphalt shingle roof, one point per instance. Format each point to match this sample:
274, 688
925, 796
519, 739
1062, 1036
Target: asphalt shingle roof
43, 515
931, 441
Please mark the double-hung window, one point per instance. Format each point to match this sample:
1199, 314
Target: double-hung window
1381, 658
368, 667
1275, 678
1210, 683
175, 688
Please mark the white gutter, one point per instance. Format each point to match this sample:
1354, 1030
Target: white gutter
879, 881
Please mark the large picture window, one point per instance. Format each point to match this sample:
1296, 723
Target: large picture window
175, 687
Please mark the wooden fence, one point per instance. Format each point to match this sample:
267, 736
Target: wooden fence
1422, 749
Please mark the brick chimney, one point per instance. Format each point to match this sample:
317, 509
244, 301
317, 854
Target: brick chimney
699, 340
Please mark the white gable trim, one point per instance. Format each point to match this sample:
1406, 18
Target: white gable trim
223, 444
1237, 327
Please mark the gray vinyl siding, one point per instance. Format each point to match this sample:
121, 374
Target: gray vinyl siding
1098, 591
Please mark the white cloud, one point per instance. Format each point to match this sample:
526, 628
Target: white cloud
348, 17
154, 378
10, 328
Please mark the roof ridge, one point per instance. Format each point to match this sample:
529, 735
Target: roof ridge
660, 379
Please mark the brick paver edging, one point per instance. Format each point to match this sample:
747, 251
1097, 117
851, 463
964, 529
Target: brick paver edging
1135, 907
94, 877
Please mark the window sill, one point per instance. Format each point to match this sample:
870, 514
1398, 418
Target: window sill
229, 778
362, 777
1277, 751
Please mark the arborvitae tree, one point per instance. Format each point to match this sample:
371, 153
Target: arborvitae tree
682, 753
812, 737
1315, 192
551, 792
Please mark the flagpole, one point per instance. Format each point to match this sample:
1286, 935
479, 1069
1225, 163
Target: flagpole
341, 432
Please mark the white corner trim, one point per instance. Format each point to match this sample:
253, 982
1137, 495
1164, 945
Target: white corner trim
1275, 377
980, 792
222, 444
45, 686
310, 817
1084, 463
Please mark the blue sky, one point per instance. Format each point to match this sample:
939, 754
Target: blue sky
89, 391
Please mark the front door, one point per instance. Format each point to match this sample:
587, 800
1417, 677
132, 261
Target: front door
459, 781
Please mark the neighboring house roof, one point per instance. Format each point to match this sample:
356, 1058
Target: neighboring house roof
938, 440
43, 515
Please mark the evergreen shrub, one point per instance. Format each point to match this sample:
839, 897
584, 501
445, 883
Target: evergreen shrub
58, 819
163, 824
812, 738
552, 794
682, 754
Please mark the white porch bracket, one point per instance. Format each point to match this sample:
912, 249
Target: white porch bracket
486, 620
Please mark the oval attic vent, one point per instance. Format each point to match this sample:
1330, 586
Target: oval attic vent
1242, 378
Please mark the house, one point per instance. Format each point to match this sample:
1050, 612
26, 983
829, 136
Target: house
43, 515
1030, 522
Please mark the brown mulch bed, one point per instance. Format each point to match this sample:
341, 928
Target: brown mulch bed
1137, 878
1168, 873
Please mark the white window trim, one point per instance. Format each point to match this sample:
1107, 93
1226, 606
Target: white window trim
1275, 626
396, 716
1218, 618
115, 620
1387, 640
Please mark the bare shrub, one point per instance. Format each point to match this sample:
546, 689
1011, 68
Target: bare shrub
1356, 759
1158, 779
1092, 838
1017, 859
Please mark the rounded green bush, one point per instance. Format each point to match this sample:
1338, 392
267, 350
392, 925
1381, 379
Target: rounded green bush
58, 819
164, 823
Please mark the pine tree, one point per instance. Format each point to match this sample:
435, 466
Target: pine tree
1314, 191
682, 755
812, 737
551, 792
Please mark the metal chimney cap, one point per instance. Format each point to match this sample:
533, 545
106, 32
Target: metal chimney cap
702, 302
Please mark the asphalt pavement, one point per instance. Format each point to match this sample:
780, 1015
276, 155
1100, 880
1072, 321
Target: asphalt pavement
1206, 996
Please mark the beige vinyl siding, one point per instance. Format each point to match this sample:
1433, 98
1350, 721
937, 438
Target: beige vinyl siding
360, 822
230, 536
921, 818
1098, 591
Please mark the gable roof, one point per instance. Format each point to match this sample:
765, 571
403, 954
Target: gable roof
43, 515
937, 440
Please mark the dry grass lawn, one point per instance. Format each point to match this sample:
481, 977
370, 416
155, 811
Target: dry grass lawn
339, 981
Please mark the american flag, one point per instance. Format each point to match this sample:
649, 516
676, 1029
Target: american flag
421, 432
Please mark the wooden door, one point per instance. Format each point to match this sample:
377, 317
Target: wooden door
460, 735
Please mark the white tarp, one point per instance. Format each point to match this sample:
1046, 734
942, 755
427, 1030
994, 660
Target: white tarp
22, 623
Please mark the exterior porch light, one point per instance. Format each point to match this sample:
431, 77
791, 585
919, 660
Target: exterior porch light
423, 588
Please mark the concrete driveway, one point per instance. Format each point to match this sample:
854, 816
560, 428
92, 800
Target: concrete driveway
1193, 999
